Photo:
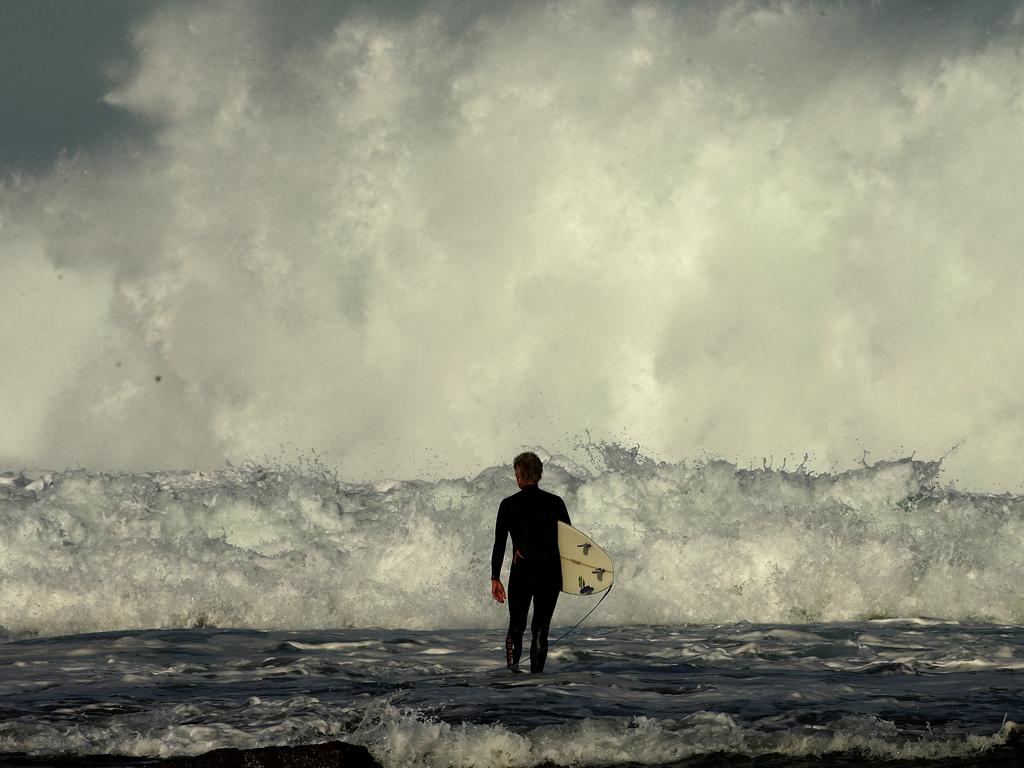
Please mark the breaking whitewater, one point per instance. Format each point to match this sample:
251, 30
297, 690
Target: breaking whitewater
865, 615
251, 547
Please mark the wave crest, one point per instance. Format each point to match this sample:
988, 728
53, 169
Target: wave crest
701, 542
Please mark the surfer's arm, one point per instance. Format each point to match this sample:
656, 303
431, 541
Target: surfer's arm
563, 513
500, 537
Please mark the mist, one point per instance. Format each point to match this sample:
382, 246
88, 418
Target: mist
417, 240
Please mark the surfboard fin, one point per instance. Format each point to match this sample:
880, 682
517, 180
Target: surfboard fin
585, 589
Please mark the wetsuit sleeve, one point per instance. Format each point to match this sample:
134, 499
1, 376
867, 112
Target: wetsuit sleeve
563, 513
500, 537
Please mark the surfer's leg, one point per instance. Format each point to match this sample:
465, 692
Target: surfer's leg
543, 608
518, 606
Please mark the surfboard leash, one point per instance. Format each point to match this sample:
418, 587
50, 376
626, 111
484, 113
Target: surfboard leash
577, 624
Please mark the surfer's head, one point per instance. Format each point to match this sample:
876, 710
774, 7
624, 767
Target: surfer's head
528, 467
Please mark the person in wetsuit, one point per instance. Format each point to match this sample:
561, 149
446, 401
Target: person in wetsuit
531, 518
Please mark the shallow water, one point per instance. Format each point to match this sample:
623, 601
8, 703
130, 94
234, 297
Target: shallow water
880, 690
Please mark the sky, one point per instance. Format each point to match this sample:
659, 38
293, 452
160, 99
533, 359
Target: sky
415, 238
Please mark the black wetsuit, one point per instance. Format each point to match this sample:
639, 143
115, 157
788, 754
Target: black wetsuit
531, 517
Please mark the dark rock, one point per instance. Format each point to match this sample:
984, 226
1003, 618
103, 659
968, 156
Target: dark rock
333, 754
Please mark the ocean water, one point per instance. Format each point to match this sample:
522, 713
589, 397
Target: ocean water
758, 614
649, 695
408, 234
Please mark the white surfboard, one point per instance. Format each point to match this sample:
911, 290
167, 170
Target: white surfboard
586, 568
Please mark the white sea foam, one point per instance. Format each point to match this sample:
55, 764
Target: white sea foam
405, 738
704, 543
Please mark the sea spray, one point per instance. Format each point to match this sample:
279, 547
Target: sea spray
414, 238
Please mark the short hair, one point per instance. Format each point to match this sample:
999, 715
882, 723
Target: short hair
528, 466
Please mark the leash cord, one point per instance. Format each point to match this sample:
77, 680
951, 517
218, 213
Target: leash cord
574, 627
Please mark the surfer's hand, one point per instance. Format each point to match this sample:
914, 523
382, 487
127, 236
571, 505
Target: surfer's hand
497, 591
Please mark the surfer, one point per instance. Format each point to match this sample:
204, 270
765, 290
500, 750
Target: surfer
531, 517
